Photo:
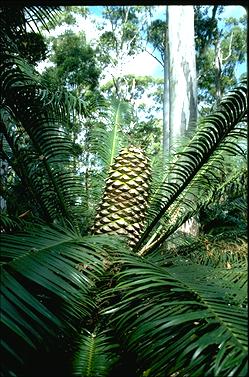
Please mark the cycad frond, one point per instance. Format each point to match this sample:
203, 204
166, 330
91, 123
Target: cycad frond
194, 167
15, 20
205, 189
181, 318
107, 139
234, 187
96, 354
46, 279
32, 124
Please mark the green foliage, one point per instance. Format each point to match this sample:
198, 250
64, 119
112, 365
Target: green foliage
75, 63
143, 126
67, 295
227, 45
52, 272
125, 20
107, 138
33, 132
195, 169
157, 36
181, 317
226, 213
67, 16
96, 355
32, 47
14, 20
36, 143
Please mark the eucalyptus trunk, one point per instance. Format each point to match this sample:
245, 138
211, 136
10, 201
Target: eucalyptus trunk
182, 82
166, 133
182, 74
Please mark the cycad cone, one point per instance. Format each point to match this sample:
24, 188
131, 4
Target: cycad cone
125, 201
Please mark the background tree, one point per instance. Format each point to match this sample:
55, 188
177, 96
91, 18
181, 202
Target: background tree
75, 65
122, 41
219, 52
116, 47
158, 37
181, 72
163, 36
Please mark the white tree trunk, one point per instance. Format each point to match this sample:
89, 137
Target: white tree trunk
182, 75
166, 131
182, 81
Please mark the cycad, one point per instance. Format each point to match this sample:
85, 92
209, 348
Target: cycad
173, 314
125, 199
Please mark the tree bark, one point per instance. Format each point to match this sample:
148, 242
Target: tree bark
166, 135
182, 82
182, 74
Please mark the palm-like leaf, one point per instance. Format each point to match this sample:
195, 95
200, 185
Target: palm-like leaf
15, 20
32, 125
47, 277
95, 356
181, 318
107, 139
205, 189
194, 168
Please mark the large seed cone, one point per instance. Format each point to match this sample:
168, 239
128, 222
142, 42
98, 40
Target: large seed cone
125, 199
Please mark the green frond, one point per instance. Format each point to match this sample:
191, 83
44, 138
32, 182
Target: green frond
181, 318
47, 276
107, 138
202, 193
233, 187
212, 252
8, 223
42, 151
43, 15
195, 168
96, 354
35, 17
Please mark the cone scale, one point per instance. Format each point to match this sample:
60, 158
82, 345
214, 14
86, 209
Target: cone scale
125, 200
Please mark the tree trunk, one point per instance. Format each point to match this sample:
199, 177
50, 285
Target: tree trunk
166, 135
182, 74
182, 82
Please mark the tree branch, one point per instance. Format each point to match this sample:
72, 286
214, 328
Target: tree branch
229, 50
159, 61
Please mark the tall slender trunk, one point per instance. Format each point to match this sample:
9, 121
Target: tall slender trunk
182, 73
182, 81
166, 93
